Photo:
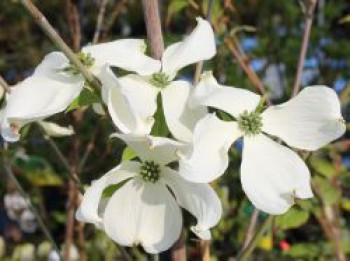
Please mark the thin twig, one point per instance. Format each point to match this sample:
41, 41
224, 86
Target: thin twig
310, 9
154, 28
64, 161
12, 177
244, 64
41, 20
243, 256
99, 23
113, 16
251, 228
199, 66
74, 24
205, 250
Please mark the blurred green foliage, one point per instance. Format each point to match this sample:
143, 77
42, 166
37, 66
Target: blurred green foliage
311, 230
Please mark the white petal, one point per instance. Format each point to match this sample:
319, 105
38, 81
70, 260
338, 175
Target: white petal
198, 199
180, 118
127, 54
55, 130
198, 46
119, 107
208, 159
88, 209
308, 121
143, 213
229, 99
38, 97
26, 105
272, 175
142, 98
149, 148
53, 65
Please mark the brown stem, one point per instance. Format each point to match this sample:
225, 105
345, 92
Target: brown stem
113, 16
243, 62
178, 251
310, 6
154, 28
251, 228
205, 250
41, 20
99, 23
74, 24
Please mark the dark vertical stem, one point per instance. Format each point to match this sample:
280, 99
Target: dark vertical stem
74, 24
178, 251
12, 177
154, 28
310, 8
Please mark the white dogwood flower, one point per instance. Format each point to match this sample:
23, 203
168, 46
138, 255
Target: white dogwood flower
55, 83
272, 175
142, 89
143, 200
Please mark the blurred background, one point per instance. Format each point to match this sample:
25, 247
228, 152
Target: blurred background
266, 35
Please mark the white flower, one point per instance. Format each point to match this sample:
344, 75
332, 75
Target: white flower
55, 83
14, 205
145, 209
142, 89
272, 175
27, 221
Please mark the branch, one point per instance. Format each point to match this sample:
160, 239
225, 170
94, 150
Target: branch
310, 9
251, 228
99, 23
63, 160
154, 28
244, 64
243, 256
12, 177
41, 20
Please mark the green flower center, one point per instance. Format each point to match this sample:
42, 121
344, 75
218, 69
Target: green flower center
85, 59
250, 122
150, 171
160, 80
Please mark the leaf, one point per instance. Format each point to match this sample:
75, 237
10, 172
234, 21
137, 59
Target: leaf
328, 193
324, 167
109, 191
308, 250
345, 19
86, 97
128, 154
294, 218
160, 128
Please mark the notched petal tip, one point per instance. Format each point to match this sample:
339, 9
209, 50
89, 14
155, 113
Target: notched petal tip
202, 234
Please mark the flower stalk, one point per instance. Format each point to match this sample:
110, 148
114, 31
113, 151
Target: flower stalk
154, 28
12, 177
243, 256
41, 20
310, 9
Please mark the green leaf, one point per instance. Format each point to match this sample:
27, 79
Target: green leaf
128, 154
294, 218
109, 191
308, 250
324, 167
160, 128
86, 97
328, 193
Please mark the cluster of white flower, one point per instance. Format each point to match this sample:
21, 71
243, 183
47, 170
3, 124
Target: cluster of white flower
138, 202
